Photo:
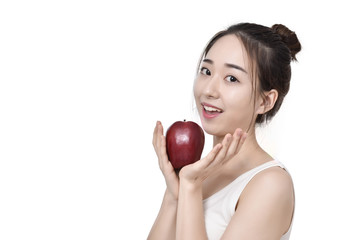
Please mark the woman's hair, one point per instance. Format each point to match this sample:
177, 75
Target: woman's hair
270, 51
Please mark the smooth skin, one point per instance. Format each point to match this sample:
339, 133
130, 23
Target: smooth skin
265, 207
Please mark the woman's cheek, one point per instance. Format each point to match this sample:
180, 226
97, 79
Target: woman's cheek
197, 90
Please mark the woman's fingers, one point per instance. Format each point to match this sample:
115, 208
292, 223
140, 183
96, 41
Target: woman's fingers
232, 145
155, 134
158, 132
160, 149
159, 143
163, 158
205, 162
236, 139
216, 154
236, 143
222, 155
241, 142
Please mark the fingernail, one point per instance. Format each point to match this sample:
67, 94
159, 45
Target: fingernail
238, 133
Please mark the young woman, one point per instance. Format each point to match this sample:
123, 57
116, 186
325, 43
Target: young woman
238, 191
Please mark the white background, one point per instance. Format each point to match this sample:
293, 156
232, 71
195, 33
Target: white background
82, 84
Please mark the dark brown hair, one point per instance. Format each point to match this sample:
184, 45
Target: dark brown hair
270, 51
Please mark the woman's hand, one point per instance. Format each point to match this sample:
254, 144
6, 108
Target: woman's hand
197, 172
171, 178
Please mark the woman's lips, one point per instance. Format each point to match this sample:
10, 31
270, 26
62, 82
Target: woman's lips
210, 111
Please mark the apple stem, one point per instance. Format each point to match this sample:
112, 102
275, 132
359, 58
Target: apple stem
184, 120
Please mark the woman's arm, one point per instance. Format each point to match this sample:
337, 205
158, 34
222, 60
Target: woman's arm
265, 208
190, 218
165, 224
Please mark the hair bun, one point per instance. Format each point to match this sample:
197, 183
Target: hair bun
289, 38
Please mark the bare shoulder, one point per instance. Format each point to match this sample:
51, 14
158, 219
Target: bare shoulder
265, 207
273, 184
273, 179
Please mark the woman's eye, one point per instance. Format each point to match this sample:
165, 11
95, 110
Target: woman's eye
231, 79
205, 71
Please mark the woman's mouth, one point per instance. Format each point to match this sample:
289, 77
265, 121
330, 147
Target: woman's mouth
210, 111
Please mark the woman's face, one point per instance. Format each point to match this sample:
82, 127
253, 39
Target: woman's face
223, 88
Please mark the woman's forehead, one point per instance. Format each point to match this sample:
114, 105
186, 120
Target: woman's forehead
228, 49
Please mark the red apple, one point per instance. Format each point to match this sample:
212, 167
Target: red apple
184, 143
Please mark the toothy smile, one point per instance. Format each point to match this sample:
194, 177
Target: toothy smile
211, 109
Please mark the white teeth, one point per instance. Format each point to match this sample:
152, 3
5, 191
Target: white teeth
211, 109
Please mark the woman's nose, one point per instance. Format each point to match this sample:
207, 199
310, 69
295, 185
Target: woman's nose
212, 88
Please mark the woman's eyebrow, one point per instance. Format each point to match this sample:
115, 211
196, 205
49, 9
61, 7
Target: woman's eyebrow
230, 65
235, 66
208, 60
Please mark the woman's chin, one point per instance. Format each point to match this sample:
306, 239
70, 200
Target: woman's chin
214, 132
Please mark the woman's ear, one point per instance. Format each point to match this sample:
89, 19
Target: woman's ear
267, 101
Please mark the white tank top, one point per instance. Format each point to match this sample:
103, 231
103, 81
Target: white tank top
220, 207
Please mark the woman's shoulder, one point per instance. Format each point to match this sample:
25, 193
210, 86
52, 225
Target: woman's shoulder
274, 179
272, 185
267, 202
